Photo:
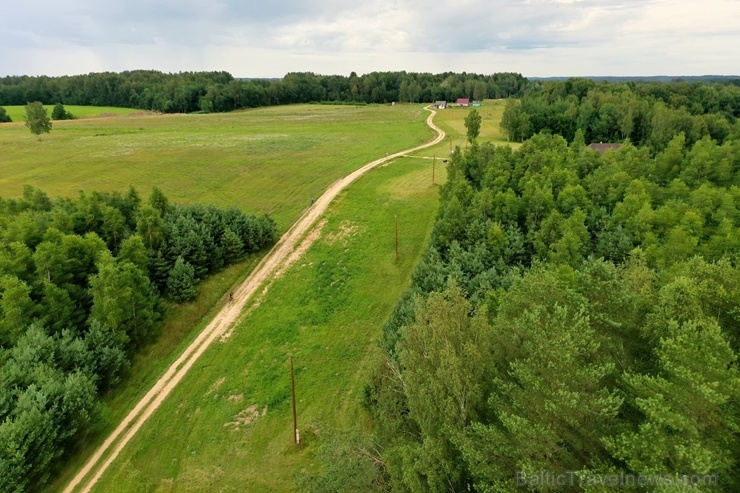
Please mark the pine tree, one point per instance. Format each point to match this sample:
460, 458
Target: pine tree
181, 282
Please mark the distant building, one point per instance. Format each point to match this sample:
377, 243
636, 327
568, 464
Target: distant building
476, 104
440, 105
601, 147
463, 102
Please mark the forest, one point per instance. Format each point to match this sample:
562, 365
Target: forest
187, 92
84, 283
645, 114
576, 312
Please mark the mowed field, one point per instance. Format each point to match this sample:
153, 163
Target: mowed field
265, 160
228, 426
18, 113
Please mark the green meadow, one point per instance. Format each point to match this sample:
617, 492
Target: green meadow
18, 113
265, 160
452, 121
228, 425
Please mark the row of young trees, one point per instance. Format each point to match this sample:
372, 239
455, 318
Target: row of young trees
219, 91
576, 313
80, 288
645, 113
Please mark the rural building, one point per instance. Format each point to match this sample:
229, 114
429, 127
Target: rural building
601, 147
440, 105
476, 104
463, 102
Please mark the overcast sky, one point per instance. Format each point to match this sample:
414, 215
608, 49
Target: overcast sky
268, 38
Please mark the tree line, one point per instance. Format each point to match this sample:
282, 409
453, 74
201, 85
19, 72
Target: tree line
220, 91
82, 284
574, 312
645, 114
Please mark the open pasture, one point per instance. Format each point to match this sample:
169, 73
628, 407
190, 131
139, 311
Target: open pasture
18, 113
271, 160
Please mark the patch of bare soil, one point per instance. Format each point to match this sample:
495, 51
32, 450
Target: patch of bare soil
246, 417
346, 230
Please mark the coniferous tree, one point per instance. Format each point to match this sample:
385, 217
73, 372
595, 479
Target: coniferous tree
181, 281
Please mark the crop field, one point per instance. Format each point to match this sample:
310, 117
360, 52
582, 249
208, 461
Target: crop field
272, 159
18, 113
228, 426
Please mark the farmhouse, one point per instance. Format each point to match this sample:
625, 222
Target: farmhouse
601, 147
476, 104
440, 105
465, 102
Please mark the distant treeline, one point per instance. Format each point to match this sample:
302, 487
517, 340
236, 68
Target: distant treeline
220, 91
730, 79
80, 287
650, 113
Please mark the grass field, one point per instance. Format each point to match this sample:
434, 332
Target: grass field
18, 113
452, 121
327, 311
270, 159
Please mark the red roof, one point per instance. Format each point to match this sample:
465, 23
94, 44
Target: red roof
463, 101
602, 147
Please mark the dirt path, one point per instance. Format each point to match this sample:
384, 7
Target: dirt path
225, 318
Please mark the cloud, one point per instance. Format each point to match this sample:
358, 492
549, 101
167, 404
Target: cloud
249, 38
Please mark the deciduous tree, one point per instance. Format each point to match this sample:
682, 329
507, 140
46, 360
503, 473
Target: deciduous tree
37, 120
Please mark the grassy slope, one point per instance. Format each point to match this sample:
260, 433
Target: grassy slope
18, 113
327, 311
270, 159
88, 154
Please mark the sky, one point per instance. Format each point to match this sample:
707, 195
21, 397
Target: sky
269, 38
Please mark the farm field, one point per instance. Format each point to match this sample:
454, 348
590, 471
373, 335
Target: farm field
18, 113
271, 159
327, 311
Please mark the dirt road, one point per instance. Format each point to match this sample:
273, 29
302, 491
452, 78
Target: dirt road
109, 450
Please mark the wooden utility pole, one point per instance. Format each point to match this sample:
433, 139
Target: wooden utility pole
396, 237
434, 163
295, 416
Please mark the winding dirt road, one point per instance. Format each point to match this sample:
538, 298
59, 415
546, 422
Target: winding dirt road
228, 315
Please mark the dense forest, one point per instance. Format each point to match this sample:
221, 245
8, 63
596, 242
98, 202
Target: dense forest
219, 91
575, 317
645, 113
81, 287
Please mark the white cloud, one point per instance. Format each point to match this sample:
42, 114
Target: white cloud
270, 38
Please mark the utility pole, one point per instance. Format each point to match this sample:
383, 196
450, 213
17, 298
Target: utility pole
434, 162
396, 237
296, 438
